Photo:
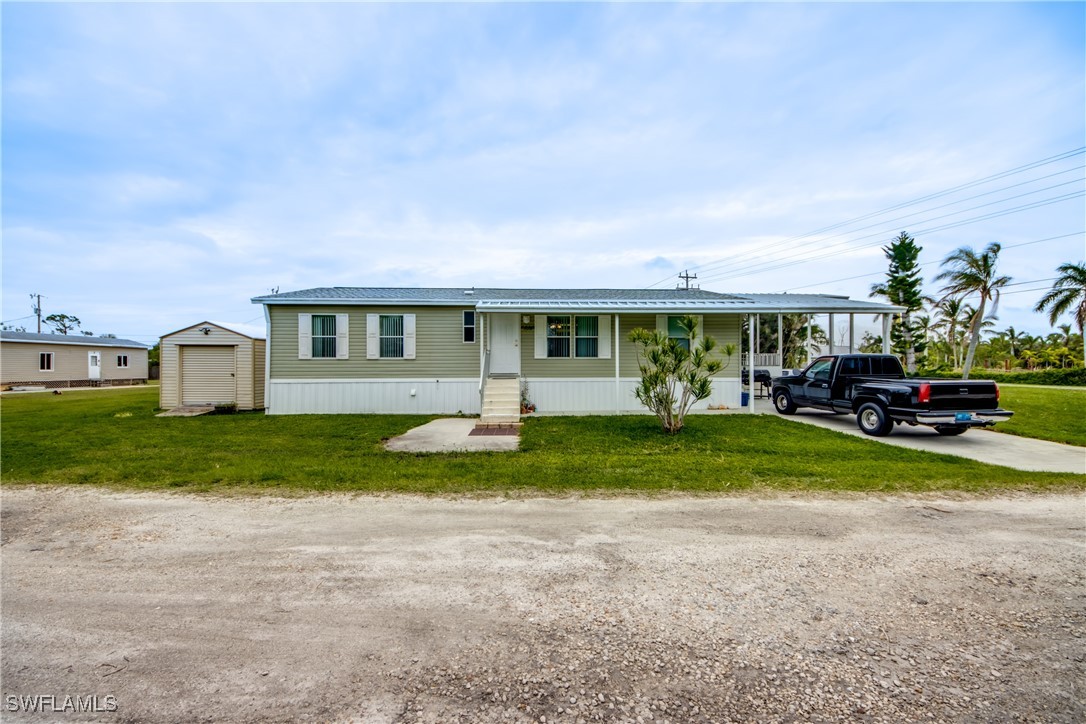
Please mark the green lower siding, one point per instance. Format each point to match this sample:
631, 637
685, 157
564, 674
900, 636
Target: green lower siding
440, 352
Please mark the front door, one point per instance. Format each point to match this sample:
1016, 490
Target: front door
504, 344
94, 365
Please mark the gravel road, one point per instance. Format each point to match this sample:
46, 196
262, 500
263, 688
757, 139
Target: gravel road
401, 609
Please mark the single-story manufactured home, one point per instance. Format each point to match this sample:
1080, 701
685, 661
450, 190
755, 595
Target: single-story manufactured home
213, 363
69, 360
447, 351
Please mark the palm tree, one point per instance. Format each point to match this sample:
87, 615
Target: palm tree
949, 310
1067, 291
970, 273
1014, 337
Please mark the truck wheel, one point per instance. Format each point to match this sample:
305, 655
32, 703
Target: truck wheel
783, 402
950, 431
873, 420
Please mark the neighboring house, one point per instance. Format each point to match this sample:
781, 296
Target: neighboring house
382, 350
69, 360
213, 363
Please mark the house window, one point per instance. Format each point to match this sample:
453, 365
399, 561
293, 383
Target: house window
45, 362
677, 333
469, 325
122, 360
391, 326
558, 334
587, 334
324, 336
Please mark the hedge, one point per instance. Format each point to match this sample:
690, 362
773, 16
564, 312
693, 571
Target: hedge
1074, 377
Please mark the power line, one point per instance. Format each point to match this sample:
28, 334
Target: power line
927, 263
882, 234
913, 202
746, 258
774, 265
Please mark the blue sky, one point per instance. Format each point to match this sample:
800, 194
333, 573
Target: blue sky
162, 164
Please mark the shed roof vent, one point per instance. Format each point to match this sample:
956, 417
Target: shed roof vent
469, 291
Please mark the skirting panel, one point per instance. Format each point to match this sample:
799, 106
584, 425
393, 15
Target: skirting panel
603, 395
346, 397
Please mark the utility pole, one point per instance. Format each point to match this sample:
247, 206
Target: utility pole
686, 276
36, 306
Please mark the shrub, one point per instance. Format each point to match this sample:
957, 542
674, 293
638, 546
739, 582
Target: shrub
1074, 377
674, 375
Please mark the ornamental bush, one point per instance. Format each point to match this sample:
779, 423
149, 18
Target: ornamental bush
676, 372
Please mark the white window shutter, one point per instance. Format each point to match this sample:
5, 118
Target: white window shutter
373, 336
409, 336
605, 332
541, 336
305, 336
661, 323
343, 339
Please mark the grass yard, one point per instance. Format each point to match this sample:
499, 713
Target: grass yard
1045, 413
112, 438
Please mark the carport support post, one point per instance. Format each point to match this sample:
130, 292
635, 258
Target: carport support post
807, 360
886, 334
750, 362
851, 333
831, 332
780, 338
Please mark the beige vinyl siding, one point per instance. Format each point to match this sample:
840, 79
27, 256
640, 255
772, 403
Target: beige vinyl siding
19, 362
248, 367
259, 361
440, 352
725, 328
564, 366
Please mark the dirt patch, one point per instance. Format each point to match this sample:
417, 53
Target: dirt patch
404, 609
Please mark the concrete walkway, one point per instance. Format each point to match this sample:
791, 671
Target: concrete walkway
987, 446
450, 435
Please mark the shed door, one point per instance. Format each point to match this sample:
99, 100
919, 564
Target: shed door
207, 375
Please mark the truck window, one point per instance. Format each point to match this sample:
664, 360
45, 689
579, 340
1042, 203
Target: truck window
819, 369
856, 366
889, 366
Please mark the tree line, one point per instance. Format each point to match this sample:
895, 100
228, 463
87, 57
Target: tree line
946, 330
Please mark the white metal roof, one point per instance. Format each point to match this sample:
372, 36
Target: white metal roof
587, 300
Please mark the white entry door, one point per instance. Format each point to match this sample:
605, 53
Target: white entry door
94, 365
504, 344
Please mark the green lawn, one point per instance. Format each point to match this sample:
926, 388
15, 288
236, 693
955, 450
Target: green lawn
113, 438
1046, 413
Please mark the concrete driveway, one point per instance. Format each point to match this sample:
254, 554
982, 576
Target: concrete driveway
987, 446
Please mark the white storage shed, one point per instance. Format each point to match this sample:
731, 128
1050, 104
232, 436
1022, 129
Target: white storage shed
213, 363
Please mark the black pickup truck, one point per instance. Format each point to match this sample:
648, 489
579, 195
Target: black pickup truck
874, 388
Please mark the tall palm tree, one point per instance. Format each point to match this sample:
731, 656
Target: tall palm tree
968, 273
949, 310
1067, 291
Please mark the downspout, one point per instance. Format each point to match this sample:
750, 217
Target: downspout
618, 381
